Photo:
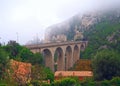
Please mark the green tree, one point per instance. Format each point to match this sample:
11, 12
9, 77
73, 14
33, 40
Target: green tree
37, 59
26, 55
3, 62
50, 74
40, 73
106, 65
13, 49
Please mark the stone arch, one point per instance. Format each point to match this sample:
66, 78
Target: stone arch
82, 47
76, 53
48, 60
58, 59
68, 57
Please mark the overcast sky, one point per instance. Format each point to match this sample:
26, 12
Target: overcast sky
26, 19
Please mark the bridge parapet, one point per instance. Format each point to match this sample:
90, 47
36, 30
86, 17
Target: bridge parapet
35, 46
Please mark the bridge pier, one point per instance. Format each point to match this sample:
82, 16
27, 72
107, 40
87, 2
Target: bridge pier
48, 59
76, 53
59, 59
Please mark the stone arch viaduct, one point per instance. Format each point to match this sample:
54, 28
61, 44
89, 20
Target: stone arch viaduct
60, 55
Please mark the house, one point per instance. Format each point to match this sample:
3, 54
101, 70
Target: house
80, 74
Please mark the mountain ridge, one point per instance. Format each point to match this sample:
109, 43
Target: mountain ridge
101, 30
79, 22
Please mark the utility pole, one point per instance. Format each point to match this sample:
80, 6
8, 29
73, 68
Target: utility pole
0, 42
37, 39
17, 37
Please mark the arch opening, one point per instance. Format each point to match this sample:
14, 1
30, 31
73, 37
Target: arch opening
58, 60
82, 47
76, 54
48, 61
68, 58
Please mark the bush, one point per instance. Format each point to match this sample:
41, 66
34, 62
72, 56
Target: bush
105, 83
3, 84
87, 82
8, 82
115, 81
65, 82
56, 83
38, 83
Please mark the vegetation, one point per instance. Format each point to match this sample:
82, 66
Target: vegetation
113, 82
83, 65
66, 82
74, 82
3, 62
103, 49
106, 65
40, 74
100, 36
17, 52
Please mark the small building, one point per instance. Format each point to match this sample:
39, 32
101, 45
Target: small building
80, 74
59, 38
78, 35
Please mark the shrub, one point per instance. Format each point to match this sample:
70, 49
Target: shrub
105, 83
65, 82
87, 82
115, 81
38, 83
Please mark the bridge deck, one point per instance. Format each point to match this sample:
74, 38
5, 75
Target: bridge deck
34, 46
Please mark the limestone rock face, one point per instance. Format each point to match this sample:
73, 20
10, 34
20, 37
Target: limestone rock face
80, 22
68, 27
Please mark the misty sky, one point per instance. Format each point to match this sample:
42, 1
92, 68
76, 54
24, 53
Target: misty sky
29, 18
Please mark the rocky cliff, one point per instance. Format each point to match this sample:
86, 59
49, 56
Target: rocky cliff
101, 29
81, 23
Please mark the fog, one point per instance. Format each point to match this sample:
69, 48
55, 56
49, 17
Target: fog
23, 20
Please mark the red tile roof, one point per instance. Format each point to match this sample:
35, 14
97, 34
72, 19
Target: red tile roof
74, 73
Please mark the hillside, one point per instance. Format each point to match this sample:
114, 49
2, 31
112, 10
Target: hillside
105, 35
78, 22
101, 29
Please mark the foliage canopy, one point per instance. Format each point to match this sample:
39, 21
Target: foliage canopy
106, 65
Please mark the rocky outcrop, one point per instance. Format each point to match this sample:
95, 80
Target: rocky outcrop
20, 71
82, 23
69, 27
